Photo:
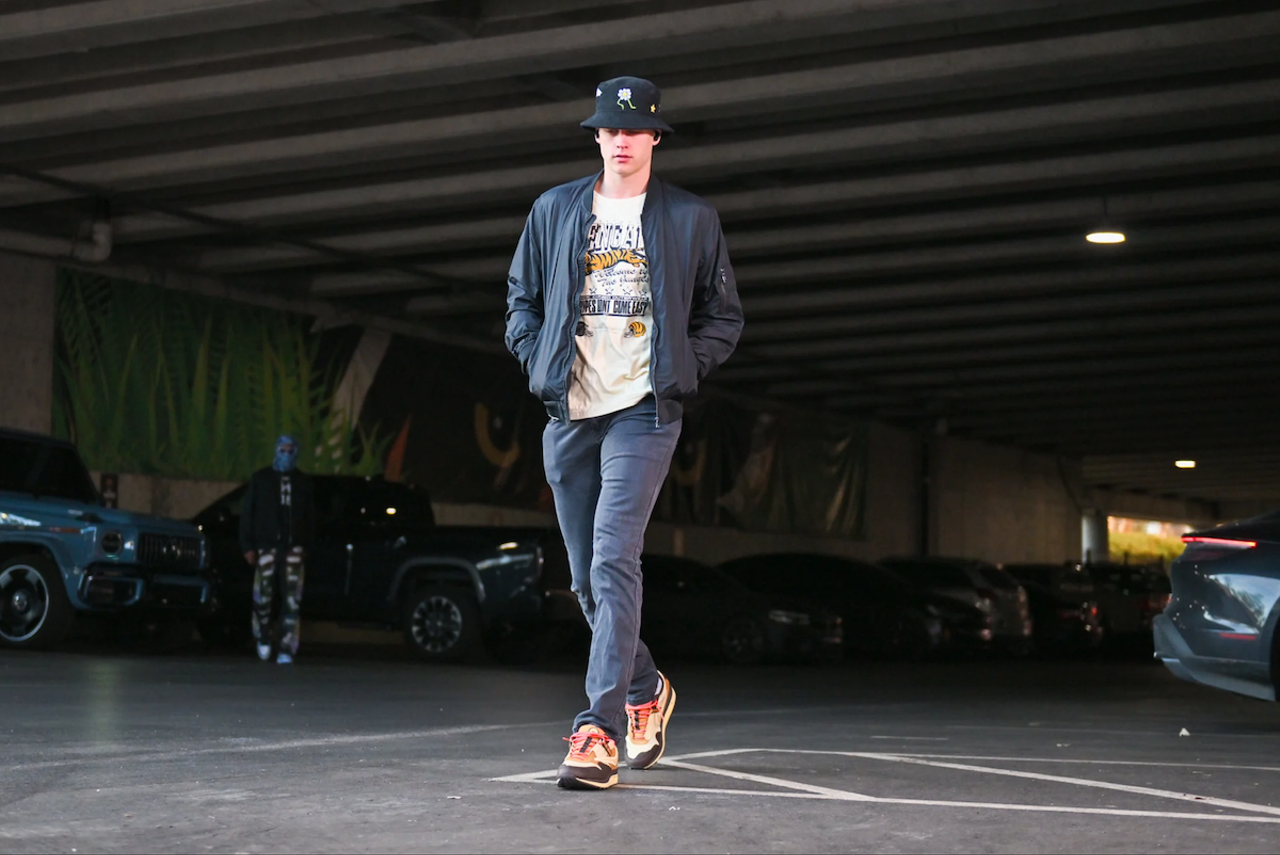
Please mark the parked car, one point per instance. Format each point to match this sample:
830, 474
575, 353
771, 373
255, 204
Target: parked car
63, 554
379, 558
981, 585
692, 608
1129, 598
882, 614
1064, 610
1220, 627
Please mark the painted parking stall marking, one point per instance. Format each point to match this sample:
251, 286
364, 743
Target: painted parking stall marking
1247, 812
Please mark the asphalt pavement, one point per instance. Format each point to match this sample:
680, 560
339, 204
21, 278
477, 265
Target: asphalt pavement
356, 748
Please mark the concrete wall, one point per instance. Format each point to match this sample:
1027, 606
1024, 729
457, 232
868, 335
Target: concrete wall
26, 329
1002, 504
167, 497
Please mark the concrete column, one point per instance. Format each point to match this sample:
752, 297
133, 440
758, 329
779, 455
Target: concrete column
1095, 543
26, 329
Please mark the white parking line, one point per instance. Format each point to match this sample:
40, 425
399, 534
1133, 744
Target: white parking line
1092, 762
1080, 782
831, 794
777, 782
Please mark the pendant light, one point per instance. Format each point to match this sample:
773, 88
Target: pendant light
1105, 232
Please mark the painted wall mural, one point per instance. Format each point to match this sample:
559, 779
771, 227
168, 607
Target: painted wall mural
161, 382
153, 381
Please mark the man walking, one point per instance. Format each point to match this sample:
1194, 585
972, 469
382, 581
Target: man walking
277, 527
620, 301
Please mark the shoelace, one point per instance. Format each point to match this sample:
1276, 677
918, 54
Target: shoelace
640, 715
580, 743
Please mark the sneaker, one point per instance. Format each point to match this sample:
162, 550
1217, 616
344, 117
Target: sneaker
284, 659
647, 726
592, 763
264, 652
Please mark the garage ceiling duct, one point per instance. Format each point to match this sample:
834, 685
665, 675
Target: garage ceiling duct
93, 250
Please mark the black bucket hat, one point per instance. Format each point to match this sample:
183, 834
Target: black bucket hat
628, 102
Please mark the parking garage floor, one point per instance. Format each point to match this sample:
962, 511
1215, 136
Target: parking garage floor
358, 749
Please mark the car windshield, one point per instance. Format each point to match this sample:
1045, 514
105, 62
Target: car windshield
44, 469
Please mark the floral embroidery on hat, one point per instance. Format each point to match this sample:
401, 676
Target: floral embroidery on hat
625, 95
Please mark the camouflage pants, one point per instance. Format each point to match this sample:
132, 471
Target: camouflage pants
265, 581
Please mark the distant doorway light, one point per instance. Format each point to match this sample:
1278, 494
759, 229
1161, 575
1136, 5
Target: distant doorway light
1185, 464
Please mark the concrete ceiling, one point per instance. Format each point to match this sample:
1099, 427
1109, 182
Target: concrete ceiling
905, 186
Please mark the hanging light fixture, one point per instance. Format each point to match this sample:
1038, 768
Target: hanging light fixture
1106, 232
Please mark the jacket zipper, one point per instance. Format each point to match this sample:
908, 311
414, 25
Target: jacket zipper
579, 275
653, 308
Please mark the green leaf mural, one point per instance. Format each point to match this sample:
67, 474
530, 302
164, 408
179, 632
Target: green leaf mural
161, 382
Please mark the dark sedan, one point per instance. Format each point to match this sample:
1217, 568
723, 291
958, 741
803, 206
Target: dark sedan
690, 608
1064, 609
883, 615
1220, 626
980, 585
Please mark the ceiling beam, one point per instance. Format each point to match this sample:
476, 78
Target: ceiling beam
1146, 342
297, 153
746, 243
523, 183
78, 27
1014, 308
692, 30
1079, 329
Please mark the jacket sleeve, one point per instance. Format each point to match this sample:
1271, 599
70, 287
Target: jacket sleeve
715, 316
247, 543
524, 291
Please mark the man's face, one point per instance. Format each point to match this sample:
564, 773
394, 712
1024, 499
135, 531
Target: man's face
626, 152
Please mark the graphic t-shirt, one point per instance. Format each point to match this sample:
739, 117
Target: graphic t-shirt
611, 371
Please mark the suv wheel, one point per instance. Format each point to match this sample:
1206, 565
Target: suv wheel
441, 623
34, 611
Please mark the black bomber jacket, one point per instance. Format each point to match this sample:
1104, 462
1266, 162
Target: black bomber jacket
696, 312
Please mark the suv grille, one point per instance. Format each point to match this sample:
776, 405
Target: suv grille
169, 551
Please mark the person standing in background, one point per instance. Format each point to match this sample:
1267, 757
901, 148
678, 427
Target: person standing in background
277, 529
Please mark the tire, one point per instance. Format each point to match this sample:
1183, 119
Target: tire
441, 623
34, 610
742, 642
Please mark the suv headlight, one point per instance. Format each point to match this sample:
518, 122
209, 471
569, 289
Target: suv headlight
112, 542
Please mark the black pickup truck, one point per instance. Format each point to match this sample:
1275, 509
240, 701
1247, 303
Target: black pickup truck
380, 559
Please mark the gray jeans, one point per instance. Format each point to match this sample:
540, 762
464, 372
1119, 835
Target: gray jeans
605, 474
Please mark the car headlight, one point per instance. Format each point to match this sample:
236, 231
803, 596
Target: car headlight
790, 618
112, 542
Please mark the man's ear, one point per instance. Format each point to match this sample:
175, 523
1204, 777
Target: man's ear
657, 137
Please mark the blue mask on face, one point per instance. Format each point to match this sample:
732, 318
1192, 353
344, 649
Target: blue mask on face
286, 454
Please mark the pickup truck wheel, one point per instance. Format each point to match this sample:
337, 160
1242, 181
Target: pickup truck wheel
441, 623
34, 610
